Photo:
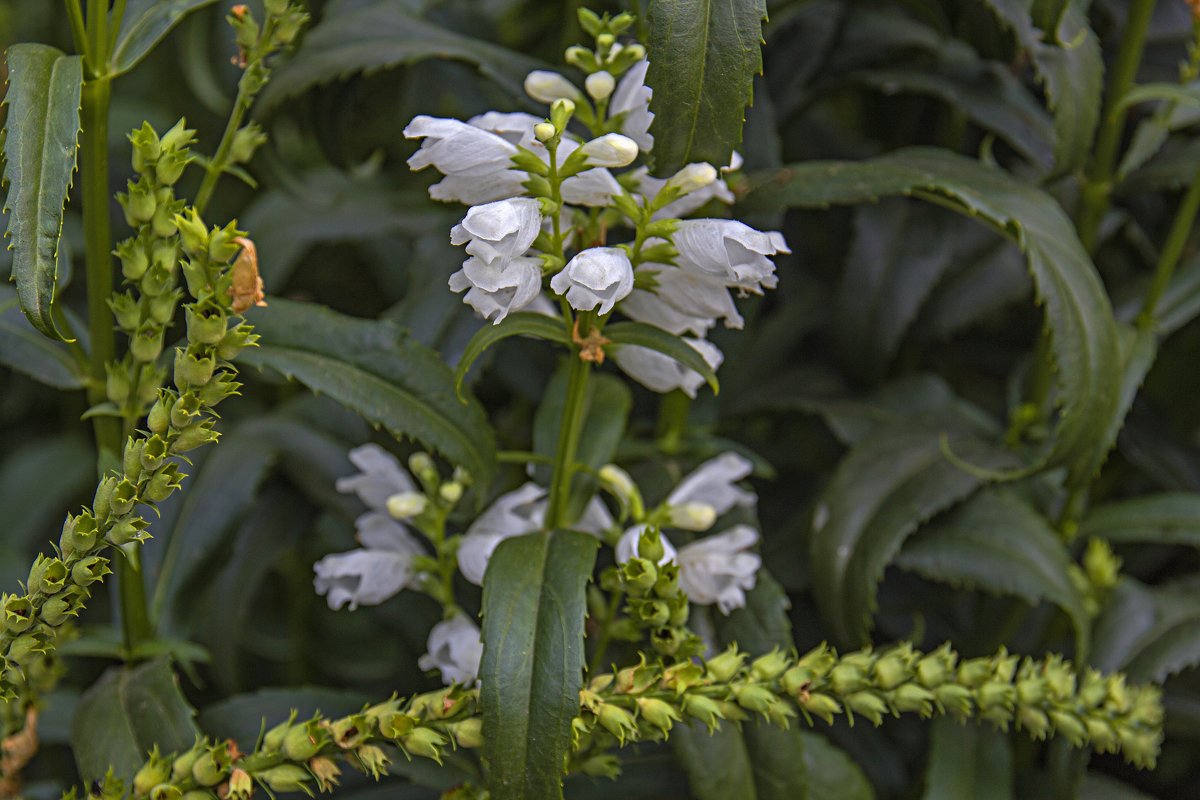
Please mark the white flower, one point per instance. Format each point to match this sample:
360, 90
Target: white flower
504, 229
592, 187
373, 573
595, 278
694, 196
661, 373
632, 98
683, 301
454, 147
610, 150
496, 290
729, 250
715, 569
600, 85
514, 127
649, 307
715, 483
379, 477
455, 650
546, 87
514, 514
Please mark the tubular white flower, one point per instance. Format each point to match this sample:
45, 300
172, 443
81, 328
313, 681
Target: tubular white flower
661, 373
683, 301
600, 85
596, 278
649, 187
729, 250
717, 569
454, 147
379, 477
514, 127
546, 87
610, 150
715, 483
455, 650
496, 290
592, 187
373, 573
627, 546
501, 230
632, 98
473, 190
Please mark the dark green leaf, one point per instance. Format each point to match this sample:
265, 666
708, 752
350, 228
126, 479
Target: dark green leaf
1149, 633
832, 775
381, 35
39, 153
968, 761
882, 491
25, 350
144, 25
648, 336
1188, 94
523, 323
1180, 303
375, 369
126, 713
997, 542
717, 764
241, 717
1098, 786
1083, 332
1162, 519
532, 670
704, 55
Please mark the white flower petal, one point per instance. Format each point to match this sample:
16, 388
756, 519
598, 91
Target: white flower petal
661, 373
362, 577
610, 150
717, 570
715, 482
512, 514
376, 530
476, 189
546, 87
455, 650
632, 96
456, 148
592, 187
627, 546
380, 476
595, 278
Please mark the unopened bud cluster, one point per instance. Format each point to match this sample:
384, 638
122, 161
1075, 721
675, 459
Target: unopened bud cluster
308, 755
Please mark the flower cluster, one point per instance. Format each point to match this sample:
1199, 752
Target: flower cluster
550, 218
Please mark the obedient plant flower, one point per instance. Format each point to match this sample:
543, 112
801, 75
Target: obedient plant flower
596, 278
697, 183
497, 290
661, 373
501, 230
716, 570
715, 483
454, 147
730, 250
682, 301
383, 565
632, 98
514, 514
455, 650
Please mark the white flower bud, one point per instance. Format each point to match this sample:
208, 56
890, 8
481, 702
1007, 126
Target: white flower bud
451, 492
546, 86
617, 481
544, 131
600, 85
610, 150
406, 504
693, 177
693, 516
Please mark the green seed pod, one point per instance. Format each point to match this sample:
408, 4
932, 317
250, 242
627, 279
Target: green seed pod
956, 700
168, 171
146, 147
192, 370
703, 709
126, 531
48, 575
155, 771
722, 668
913, 698
219, 388
18, 613
304, 741
193, 235
166, 791
468, 733
796, 679
617, 721
1101, 733
116, 383
185, 410
275, 8
80, 534
126, 310
891, 670
352, 731
180, 137
24, 646
424, 742
846, 678
285, 778
395, 725
245, 142
973, 673
164, 483
660, 714
157, 281
134, 261
89, 570
153, 451
162, 308
996, 695
56, 611
650, 545
159, 418
207, 325
138, 203
639, 575
124, 497
770, 666
131, 459
754, 698
235, 341
1068, 725
147, 342
102, 499
1034, 721
820, 660
211, 767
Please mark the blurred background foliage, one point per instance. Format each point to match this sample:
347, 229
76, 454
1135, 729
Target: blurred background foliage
887, 316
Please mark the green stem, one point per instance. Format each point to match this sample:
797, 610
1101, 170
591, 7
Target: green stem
1097, 186
574, 408
220, 160
1177, 239
78, 31
673, 411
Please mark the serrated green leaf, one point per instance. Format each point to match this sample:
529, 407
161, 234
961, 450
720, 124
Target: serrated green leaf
532, 670
1083, 332
41, 132
1172, 518
375, 369
717, 764
523, 323
890, 483
145, 24
25, 350
126, 713
1149, 633
382, 35
996, 542
703, 55
652, 338
968, 761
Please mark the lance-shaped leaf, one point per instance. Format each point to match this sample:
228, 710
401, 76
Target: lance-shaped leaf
704, 55
24, 349
1083, 332
144, 25
1149, 633
968, 761
523, 323
39, 154
533, 613
375, 369
1172, 518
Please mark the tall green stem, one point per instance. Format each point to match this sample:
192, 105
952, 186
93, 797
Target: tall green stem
220, 160
568, 442
1181, 228
1097, 187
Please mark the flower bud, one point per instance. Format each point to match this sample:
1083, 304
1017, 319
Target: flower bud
424, 742
582, 58
147, 342
169, 170
722, 668
639, 575
192, 233
468, 733
406, 505
770, 666
192, 370
102, 500
561, 112
890, 671
134, 260
650, 545
973, 673
753, 697
658, 713
620, 485
544, 131
126, 531
692, 177
546, 86
1101, 565
139, 203
155, 771
610, 150
867, 704
159, 418
126, 310
955, 699
846, 678
617, 721
912, 698
600, 85
421, 464
1101, 734
245, 142
211, 767
1034, 721
451, 492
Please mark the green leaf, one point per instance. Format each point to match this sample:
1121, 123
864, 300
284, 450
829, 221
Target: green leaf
39, 154
832, 774
1185, 95
375, 369
648, 336
37, 481
717, 764
532, 669
1098, 786
126, 713
996, 542
890, 483
1149, 633
1172, 518
1083, 332
1070, 66
968, 761
144, 25
1180, 303
382, 35
25, 350
241, 717
703, 55
523, 323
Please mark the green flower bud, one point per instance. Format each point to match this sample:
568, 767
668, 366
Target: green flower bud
617, 721
162, 308
722, 668
956, 700
846, 678
89, 570
18, 613
582, 58
561, 111
146, 147
116, 383
658, 713
305, 740
753, 697
126, 310
770, 666
1093, 689
206, 325
996, 695
235, 341
219, 388
138, 203
650, 545
820, 660
192, 233
164, 483
639, 575
245, 142
973, 673
1069, 726
405, 505
450, 492
179, 137
58, 609
159, 418
126, 531
155, 771
221, 244
134, 260
285, 778
162, 224
1102, 734
891, 671
1034, 721
703, 709
192, 370
867, 704
185, 410
102, 500
680, 610
170, 168
147, 342
424, 742
273, 739
913, 698
195, 435
1141, 748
